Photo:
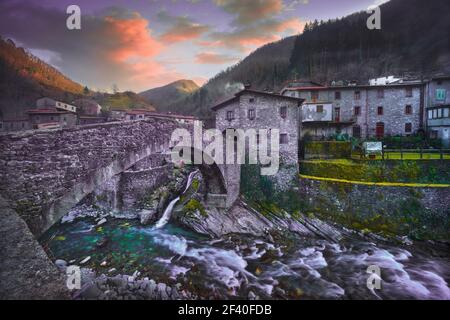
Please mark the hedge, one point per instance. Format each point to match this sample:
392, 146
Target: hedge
398, 171
328, 150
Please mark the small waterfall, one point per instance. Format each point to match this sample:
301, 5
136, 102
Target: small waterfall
168, 211
114, 202
166, 216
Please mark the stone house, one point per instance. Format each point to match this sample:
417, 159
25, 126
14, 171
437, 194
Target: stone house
117, 114
437, 101
181, 119
84, 120
49, 103
252, 109
87, 107
135, 115
364, 111
50, 118
17, 124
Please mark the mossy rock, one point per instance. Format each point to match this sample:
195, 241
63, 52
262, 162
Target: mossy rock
193, 206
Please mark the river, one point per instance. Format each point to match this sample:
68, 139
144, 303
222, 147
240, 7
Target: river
241, 266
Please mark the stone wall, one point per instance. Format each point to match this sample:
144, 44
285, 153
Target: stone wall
395, 210
136, 185
25, 270
267, 115
45, 173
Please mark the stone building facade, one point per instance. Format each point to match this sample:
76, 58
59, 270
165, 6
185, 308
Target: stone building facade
251, 109
45, 103
50, 118
87, 107
437, 101
364, 110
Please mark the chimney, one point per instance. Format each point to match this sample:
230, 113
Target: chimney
247, 85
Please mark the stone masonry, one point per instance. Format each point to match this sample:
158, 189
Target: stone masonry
253, 109
392, 98
45, 173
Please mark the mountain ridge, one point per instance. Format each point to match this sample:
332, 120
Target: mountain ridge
169, 93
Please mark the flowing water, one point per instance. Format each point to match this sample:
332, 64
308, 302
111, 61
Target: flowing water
168, 211
243, 266
236, 265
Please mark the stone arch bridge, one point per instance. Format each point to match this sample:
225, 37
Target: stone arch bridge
43, 174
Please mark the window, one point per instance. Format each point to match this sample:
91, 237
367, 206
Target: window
356, 132
357, 95
380, 93
230, 115
446, 112
314, 95
380, 111
283, 138
409, 92
337, 95
430, 114
357, 111
440, 94
408, 127
51, 118
319, 108
408, 109
251, 114
435, 114
251, 100
283, 112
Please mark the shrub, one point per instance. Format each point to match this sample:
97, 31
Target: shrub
328, 149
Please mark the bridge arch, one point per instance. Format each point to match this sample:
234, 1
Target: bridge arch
45, 173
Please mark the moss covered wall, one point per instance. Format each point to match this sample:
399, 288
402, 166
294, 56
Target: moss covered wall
421, 213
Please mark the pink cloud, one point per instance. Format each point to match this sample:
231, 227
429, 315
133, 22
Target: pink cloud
132, 38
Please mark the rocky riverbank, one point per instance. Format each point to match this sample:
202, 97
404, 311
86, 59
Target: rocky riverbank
187, 250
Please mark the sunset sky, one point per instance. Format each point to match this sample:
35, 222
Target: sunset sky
141, 44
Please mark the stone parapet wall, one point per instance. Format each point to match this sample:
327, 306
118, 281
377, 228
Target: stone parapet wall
25, 270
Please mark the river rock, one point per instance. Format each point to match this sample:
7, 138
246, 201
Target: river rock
61, 264
146, 216
102, 221
101, 243
85, 260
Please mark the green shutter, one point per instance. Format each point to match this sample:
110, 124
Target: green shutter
440, 94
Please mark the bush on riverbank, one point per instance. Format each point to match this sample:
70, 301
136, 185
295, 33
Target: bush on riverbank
261, 192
